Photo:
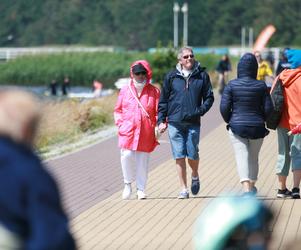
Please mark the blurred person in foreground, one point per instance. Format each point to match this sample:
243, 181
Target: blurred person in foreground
223, 68
245, 105
234, 223
186, 96
135, 115
31, 214
264, 73
289, 145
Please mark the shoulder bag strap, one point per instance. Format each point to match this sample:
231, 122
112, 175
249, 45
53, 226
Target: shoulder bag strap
139, 103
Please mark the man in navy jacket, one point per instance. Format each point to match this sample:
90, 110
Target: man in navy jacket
186, 96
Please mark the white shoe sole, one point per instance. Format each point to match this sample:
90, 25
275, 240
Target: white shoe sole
283, 196
141, 196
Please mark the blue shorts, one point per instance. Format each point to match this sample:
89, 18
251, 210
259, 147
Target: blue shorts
184, 139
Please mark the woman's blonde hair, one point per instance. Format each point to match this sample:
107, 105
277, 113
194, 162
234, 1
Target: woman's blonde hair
19, 114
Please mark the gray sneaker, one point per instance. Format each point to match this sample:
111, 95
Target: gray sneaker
285, 193
195, 186
296, 193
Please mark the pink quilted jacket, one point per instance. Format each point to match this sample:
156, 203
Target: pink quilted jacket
135, 129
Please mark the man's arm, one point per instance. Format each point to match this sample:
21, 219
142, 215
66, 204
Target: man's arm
164, 99
207, 95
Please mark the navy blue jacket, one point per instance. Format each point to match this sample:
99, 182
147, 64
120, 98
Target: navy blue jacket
245, 100
30, 205
185, 100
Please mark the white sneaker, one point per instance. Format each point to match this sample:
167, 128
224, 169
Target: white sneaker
141, 195
127, 191
184, 194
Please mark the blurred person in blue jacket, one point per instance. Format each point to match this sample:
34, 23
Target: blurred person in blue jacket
31, 213
245, 106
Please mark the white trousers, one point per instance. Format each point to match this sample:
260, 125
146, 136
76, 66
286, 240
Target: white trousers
134, 166
246, 155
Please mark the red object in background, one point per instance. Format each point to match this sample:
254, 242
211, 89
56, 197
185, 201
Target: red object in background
97, 85
97, 88
264, 37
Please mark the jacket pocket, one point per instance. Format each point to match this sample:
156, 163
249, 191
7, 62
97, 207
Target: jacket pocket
126, 128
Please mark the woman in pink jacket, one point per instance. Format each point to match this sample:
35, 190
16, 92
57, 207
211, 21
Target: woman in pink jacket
135, 115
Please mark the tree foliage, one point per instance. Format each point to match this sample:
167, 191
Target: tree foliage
136, 24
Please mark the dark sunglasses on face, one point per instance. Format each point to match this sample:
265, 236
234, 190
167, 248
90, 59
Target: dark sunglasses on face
186, 57
140, 73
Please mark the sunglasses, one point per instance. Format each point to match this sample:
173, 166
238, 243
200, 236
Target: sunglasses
140, 73
187, 56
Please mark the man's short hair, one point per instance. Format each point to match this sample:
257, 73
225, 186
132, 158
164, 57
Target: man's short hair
181, 50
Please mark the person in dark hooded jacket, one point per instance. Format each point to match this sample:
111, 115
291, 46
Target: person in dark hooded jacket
245, 105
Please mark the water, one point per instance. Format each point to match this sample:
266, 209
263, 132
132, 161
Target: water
44, 91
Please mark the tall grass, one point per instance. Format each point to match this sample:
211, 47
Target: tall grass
82, 68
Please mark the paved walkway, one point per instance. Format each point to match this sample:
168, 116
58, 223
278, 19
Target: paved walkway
100, 219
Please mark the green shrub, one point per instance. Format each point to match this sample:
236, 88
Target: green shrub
163, 62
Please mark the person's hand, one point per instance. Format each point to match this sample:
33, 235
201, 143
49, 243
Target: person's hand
295, 130
162, 127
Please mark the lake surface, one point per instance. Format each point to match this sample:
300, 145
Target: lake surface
44, 91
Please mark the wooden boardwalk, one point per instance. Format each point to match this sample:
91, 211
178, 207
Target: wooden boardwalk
100, 219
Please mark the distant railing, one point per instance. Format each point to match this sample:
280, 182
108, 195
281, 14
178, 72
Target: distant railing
11, 53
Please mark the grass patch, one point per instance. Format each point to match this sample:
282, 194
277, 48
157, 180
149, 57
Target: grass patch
65, 121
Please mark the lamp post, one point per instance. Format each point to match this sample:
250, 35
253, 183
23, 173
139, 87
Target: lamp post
184, 9
250, 37
176, 9
243, 40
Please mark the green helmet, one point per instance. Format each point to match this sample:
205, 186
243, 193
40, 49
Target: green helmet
224, 215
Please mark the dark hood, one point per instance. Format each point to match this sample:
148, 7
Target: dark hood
247, 66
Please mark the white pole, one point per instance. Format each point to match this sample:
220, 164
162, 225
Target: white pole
243, 40
250, 38
185, 24
176, 9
